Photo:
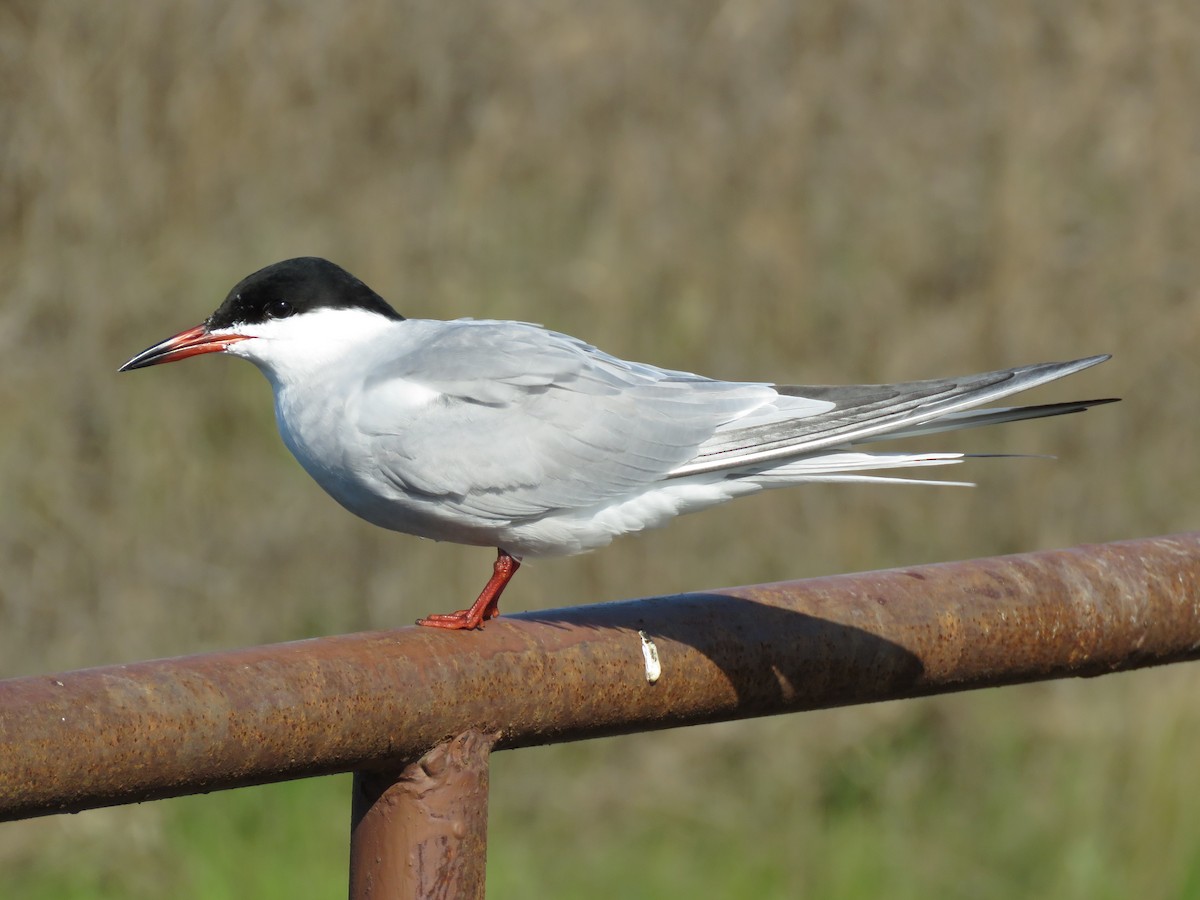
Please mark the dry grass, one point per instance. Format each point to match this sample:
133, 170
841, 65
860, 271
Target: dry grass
808, 192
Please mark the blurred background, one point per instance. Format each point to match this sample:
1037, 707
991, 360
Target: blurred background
834, 191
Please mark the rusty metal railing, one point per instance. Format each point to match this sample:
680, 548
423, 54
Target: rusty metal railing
415, 712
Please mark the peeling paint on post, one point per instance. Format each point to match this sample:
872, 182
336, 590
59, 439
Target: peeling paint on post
421, 831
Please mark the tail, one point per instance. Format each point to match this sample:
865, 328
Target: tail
798, 448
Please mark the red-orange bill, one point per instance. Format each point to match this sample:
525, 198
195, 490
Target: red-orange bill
192, 342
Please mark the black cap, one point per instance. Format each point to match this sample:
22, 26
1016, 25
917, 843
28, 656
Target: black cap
295, 286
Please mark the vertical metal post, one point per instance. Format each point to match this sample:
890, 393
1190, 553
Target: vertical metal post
421, 831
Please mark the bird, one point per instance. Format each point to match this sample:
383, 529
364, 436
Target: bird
508, 435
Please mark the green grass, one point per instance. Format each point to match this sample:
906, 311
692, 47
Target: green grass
817, 192
277, 841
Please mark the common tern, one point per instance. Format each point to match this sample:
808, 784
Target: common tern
507, 435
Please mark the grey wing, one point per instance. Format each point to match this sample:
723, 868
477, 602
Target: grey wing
861, 413
518, 421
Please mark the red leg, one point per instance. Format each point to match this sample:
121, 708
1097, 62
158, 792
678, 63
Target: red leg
488, 604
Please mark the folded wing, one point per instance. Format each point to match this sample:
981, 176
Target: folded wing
517, 422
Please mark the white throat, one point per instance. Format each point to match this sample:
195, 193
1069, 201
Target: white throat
313, 344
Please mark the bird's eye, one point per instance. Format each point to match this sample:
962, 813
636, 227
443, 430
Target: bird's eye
278, 309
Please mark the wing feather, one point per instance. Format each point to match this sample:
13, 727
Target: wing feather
505, 421
520, 421
866, 412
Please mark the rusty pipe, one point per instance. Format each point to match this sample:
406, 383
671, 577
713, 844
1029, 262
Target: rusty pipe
126, 733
